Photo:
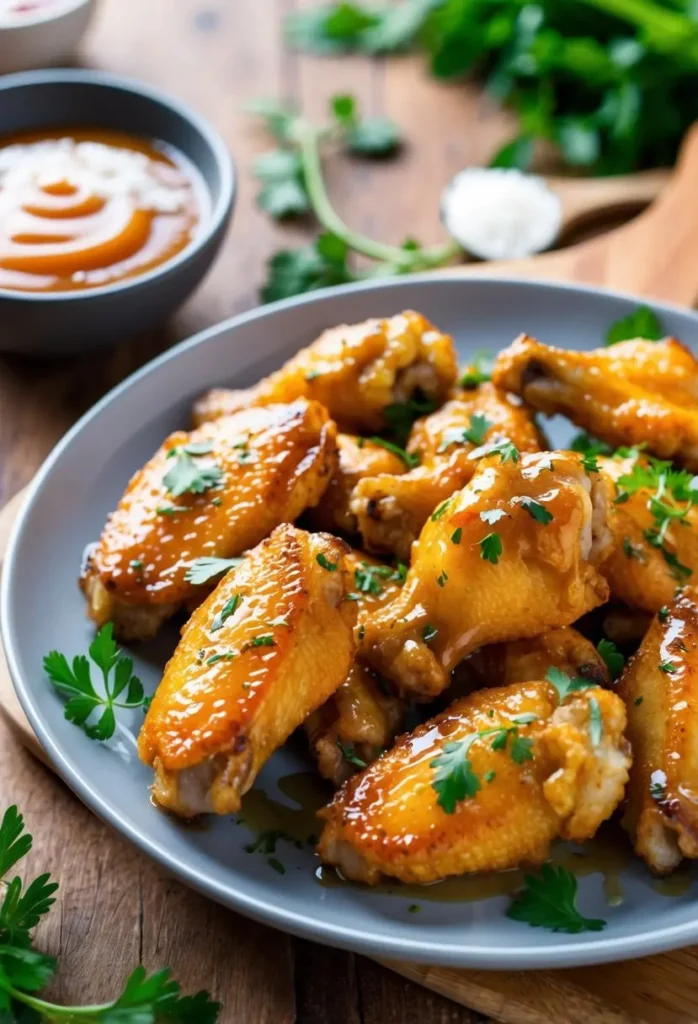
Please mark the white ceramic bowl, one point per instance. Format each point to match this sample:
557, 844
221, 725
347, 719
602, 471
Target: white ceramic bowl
48, 37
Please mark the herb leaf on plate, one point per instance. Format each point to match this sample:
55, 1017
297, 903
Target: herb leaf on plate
642, 323
548, 901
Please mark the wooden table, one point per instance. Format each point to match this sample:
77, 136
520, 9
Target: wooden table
116, 908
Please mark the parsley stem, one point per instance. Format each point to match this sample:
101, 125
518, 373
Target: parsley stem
52, 1012
403, 260
669, 31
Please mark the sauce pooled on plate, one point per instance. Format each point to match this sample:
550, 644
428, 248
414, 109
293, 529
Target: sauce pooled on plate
81, 209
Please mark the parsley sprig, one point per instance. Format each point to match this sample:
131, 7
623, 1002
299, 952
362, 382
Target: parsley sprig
565, 685
455, 779
548, 901
24, 971
120, 687
186, 476
370, 579
204, 570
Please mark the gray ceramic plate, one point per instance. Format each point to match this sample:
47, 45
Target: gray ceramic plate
42, 609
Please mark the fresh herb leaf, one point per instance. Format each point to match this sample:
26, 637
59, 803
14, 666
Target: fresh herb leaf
491, 548
536, 511
368, 578
400, 416
203, 570
658, 784
630, 550
171, 510
479, 371
457, 535
454, 779
349, 754
589, 446
75, 683
410, 460
186, 475
473, 434
15, 843
320, 264
613, 658
429, 632
642, 323
228, 609
442, 578
323, 560
548, 901
663, 613
638, 701
595, 722
564, 684
373, 136
440, 510
521, 749
668, 667
276, 865
506, 449
264, 640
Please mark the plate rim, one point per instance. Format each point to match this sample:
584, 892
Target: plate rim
525, 956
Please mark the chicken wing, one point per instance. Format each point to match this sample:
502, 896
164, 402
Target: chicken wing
637, 392
363, 717
214, 492
263, 651
358, 458
522, 661
485, 786
391, 511
655, 533
355, 372
660, 689
510, 556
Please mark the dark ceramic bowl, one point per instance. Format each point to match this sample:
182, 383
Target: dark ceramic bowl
65, 323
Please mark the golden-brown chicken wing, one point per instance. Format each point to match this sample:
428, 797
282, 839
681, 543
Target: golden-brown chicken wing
522, 661
646, 565
359, 457
214, 492
637, 392
363, 717
660, 689
392, 511
355, 371
510, 556
484, 786
263, 651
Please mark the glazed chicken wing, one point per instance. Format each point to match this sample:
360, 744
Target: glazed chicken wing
660, 689
359, 457
213, 492
512, 555
355, 371
263, 651
485, 786
391, 511
637, 392
362, 717
644, 567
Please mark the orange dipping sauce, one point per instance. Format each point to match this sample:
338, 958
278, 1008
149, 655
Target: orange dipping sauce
82, 209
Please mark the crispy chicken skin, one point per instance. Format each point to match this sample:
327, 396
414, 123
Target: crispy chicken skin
263, 651
358, 458
638, 572
391, 512
355, 371
660, 689
362, 718
387, 821
275, 462
522, 661
632, 393
544, 578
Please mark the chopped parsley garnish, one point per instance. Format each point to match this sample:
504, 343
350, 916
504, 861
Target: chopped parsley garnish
630, 550
658, 783
276, 865
264, 640
479, 371
589, 446
493, 515
566, 685
413, 908
668, 667
228, 609
613, 658
490, 776
491, 548
401, 415
638, 701
188, 476
368, 578
548, 901
323, 561
400, 574
440, 510
506, 449
641, 323
663, 613
442, 578
473, 434
349, 754
136, 564
171, 510
457, 535
537, 511
410, 460
595, 721
120, 687
429, 632
589, 462
203, 570
455, 780
221, 656
361, 632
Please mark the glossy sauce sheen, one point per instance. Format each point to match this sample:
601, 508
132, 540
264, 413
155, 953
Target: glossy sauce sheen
82, 208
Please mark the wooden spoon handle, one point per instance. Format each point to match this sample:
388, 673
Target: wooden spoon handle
586, 199
654, 256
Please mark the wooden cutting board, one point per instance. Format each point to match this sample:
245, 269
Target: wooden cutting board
654, 256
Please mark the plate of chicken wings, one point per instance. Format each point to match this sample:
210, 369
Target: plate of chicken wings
384, 629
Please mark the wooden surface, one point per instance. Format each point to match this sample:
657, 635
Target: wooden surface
116, 907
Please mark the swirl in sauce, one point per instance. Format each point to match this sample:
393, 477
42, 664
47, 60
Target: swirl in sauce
82, 209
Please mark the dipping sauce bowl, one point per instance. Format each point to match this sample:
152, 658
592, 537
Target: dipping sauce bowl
146, 254
36, 33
